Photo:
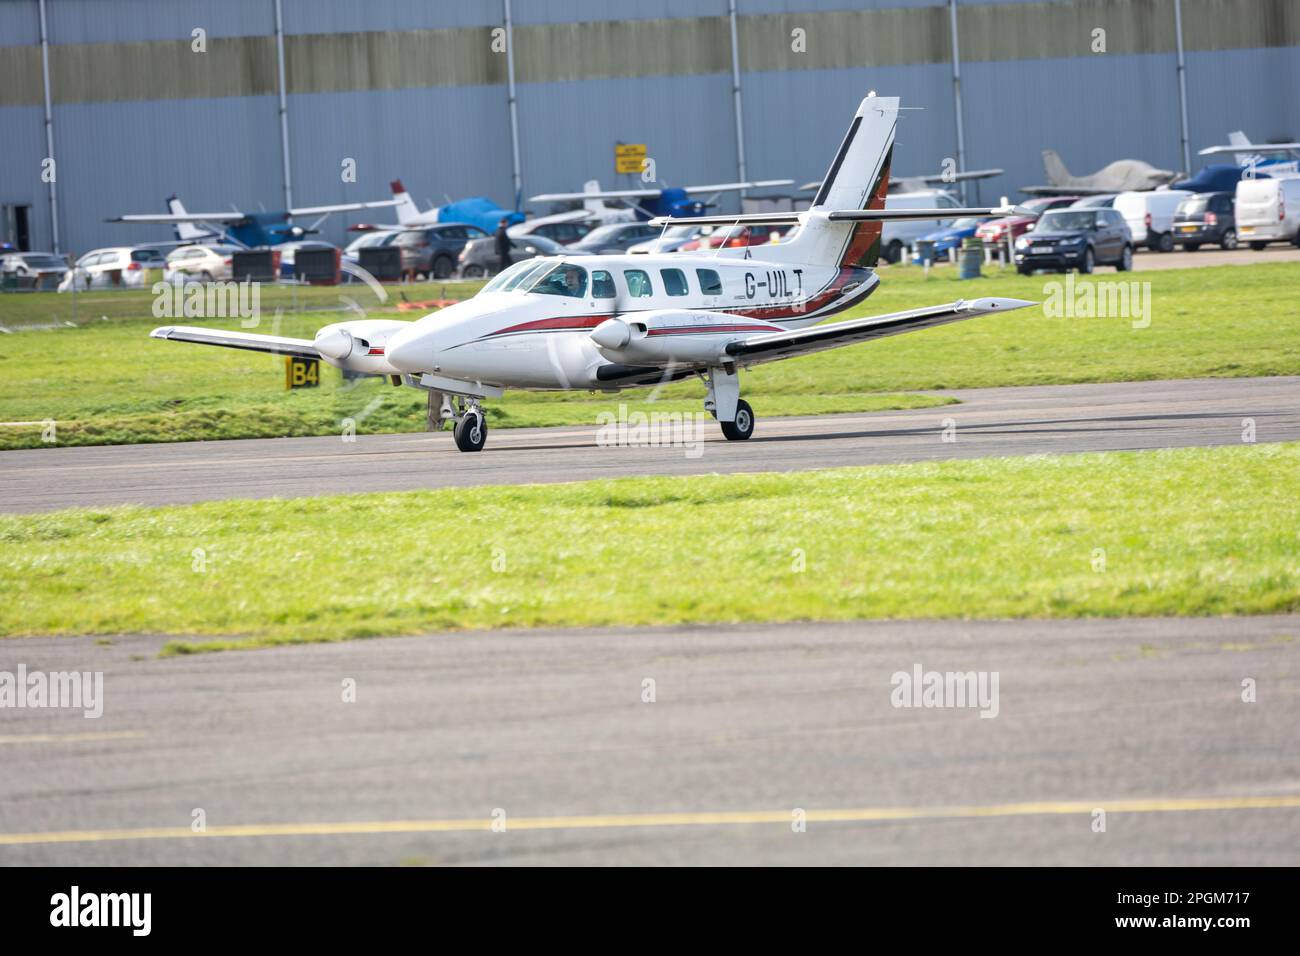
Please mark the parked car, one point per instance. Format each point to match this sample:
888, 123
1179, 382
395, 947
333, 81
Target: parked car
565, 233
998, 231
895, 235
948, 239
1150, 216
40, 270
125, 266
1268, 210
1106, 201
1065, 239
1206, 218
730, 237
208, 261
668, 240
616, 237
434, 250
479, 257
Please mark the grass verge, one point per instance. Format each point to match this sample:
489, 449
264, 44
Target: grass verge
1178, 532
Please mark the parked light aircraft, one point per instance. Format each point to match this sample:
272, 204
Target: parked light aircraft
247, 229
1285, 161
673, 201
1123, 175
920, 184
613, 322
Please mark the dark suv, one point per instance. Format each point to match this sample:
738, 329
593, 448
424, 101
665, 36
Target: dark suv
1206, 218
1065, 239
433, 250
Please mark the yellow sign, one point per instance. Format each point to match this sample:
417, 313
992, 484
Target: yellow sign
629, 157
301, 372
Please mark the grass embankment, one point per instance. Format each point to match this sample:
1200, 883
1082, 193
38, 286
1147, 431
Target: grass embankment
1181, 532
107, 382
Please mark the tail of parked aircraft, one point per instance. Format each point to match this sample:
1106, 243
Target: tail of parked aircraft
186, 231
408, 214
592, 205
1057, 174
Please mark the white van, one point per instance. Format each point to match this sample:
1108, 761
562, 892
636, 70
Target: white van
1150, 216
895, 235
1268, 210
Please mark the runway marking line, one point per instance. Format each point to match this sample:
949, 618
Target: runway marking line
640, 820
71, 738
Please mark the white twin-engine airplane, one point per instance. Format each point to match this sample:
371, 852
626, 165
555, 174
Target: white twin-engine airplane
613, 322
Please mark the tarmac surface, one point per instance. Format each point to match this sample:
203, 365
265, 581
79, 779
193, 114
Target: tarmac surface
1108, 742
988, 422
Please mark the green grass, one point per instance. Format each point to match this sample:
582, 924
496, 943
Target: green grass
1182, 532
107, 382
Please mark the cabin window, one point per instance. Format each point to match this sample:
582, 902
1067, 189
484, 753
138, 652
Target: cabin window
638, 283
674, 281
602, 285
710, 283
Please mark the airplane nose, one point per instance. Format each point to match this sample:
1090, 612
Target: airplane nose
410, 351
333, 343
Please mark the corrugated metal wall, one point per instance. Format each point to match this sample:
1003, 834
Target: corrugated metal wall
409, 90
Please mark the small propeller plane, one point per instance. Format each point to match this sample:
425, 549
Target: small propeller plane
246, 229
621, 321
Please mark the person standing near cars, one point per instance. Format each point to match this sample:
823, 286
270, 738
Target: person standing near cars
504, 245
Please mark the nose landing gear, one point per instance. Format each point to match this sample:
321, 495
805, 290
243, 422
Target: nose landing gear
470, 429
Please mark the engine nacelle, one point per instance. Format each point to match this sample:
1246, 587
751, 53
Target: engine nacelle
667, 336
358, 345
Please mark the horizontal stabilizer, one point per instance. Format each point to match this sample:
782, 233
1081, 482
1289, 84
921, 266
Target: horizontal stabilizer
839, 215
274, 344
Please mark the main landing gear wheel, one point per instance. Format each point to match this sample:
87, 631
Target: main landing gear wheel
743, 426
471, 431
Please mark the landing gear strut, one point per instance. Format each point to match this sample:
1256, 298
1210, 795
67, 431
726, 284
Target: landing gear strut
466, 414
725, 404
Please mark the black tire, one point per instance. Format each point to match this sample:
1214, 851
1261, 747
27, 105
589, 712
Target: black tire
1164, 242
1089, 262
893, 252
1125, 263
205, 276
1258, 246
1025, 270
471, 432
1191, 246
473, 272
442, 267
1228, 240
743, 426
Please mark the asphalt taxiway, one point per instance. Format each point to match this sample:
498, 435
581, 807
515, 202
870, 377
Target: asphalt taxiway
988, 422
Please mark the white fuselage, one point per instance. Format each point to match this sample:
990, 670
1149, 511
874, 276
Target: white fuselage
670, 310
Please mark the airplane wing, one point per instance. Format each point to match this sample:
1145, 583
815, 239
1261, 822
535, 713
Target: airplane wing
275, 344
227, 218
771, 346
1252, 148
343, 207
733, 187
653, 193
1067, 191
935, 178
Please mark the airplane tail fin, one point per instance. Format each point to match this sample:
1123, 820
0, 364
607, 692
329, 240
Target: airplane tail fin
407, 212
857, 179
593, 205
1057, 174
186, 231
1239, 138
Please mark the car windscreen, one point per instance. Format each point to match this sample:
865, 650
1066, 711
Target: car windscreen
1068, 221
1194, 205
44, 262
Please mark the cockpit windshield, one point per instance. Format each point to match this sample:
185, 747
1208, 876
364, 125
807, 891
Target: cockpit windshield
565, 279
543, 276
511, 278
